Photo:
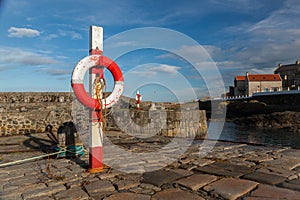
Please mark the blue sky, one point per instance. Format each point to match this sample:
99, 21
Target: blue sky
41, 41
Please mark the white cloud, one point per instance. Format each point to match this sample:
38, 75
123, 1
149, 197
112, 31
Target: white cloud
166, 69
143, 73
17, 56
274, 39
22, 32
72, 34
56, 72
262, 70
29, 19
154, 69
135, 13
51, 36
125, 44
165, 79
285, 18
242, 6
195, 53
63, 33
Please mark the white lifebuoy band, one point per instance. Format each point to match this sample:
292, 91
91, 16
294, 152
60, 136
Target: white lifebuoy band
78, 81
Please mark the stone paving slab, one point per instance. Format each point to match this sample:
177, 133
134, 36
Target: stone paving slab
99, 187
18, 192
271, 192
42, 198
196, 181
264, 178
241, 161
71, 194
10, 195
217, 171
230, 188
259, 158
172, 194
139, 190
291, 153
283, 162
144, 188
224, 169
232, 167
192, 175
19, 182
108, 175
42, 192
160, 177
126, 184
276, 171
127, 195
150, 187
182, 172
291, 184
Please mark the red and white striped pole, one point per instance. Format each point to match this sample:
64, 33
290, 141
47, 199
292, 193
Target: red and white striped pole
138, 99
95, 63
96, 122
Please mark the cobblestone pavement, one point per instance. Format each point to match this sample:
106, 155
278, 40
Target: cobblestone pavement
228, 171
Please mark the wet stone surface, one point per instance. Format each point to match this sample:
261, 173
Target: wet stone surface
226, 171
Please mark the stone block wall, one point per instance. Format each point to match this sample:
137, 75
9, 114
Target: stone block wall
22, 113
171, 123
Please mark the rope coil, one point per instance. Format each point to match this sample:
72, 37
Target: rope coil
98, 88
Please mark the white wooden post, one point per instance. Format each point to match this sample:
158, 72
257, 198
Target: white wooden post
95, 125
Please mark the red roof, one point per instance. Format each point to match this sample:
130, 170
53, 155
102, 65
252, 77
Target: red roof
264, 77
240, 78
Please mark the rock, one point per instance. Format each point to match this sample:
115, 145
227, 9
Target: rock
23, 109
279, 120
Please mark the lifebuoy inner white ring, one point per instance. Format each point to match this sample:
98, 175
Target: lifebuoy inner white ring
78, 81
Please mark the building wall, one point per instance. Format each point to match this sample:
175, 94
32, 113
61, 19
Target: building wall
262, 86
231, 91
239, 89
289, 75
297, 79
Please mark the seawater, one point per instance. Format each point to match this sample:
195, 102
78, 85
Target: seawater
268, 137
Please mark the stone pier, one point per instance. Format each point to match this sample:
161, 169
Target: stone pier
221, 170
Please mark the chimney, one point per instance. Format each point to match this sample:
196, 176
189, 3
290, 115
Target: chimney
247, 73
297, 62
279, 65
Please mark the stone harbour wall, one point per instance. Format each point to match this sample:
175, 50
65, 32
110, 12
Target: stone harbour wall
171, 123
31, 112
22, 113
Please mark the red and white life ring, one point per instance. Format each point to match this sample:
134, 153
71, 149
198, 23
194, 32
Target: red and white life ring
78, 78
